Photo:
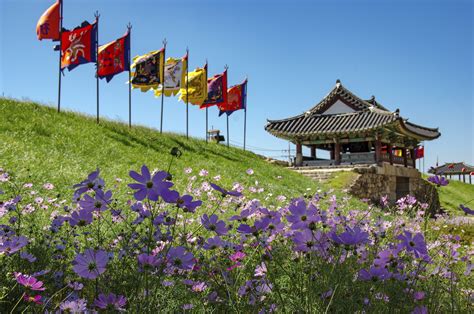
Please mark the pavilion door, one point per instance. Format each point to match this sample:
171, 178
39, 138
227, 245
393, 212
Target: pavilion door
403, 187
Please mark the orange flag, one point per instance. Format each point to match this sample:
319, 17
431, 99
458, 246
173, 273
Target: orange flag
48, 24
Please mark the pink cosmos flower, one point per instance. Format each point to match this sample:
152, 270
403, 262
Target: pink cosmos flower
35, 299
48, 186
29, 282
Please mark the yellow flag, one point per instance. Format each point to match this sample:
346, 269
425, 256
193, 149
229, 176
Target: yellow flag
147, 70
174, 76
196, 87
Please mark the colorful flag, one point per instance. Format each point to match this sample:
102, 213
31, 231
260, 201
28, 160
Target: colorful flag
49, 23
216, 91
197, 87
175, 76
236, 99
79, 46
420, 152
114, 58
148, 70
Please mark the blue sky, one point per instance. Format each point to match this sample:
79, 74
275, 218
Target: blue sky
413, 55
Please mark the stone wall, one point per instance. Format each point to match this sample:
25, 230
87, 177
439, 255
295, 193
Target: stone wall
377, 181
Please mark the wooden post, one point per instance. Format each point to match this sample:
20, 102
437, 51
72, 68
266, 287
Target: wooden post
299, 155
378, 148
463, 178
313, 151
331, 153
390, 152
413, 157
404, 155
337, 151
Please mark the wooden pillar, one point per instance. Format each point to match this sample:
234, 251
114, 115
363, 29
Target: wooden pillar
299, 155
413, 157
378, 149
313, 151
337, 151
404, 155
470, 182
390, 152
459, 177
463, 178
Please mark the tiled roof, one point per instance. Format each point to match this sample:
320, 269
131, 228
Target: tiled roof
312, 124
367, 115
452, 168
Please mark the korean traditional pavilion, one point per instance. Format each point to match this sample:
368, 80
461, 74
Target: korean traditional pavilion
354, 131
451, 169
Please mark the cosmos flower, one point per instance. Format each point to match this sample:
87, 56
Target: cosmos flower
351, 236
80, 218
27, 256
92, 183
148, 261
110, 302
185, 201
13, 245
178, 257
415, 244
214, 224
148, 186
48, 186
438, 180
29, 282
74, 306
466, 210
99, 202
213, 243
35, 299
90, 264
224, 192
301, 216
374, 273
250, 171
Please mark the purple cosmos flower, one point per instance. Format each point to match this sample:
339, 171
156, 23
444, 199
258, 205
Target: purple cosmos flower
466, 210
350, 236
93, 182
27, 256
13, 245
148, 261
258, 226
185, 202
74, 306
213, 224
149, 187
387, 257
81, 218
438, 180
420, 310
415, 244
178, 257
29, 282
90, 264
213, 243
97, 203
301, 217
110, 302
224, 192
307, 240
374, 273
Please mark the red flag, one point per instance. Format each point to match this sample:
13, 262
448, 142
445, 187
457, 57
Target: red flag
78, 46
420, 152
236, 99
114, 57
216, 91
48, 24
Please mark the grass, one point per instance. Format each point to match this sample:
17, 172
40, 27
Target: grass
40, 145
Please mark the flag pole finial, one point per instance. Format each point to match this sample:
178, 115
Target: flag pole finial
226, 67
165, 42
96, 14
129, 26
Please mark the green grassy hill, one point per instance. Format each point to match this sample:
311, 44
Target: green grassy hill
40, 145
456, 193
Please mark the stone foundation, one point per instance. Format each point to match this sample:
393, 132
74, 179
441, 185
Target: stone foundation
377, 181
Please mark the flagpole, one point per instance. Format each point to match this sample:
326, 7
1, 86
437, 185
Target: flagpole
187, 93
97, 15
205, 68
227, 130
245, 113
163, 85
129, 27
60, 46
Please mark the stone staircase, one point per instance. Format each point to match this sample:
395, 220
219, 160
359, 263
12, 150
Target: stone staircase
323, 173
